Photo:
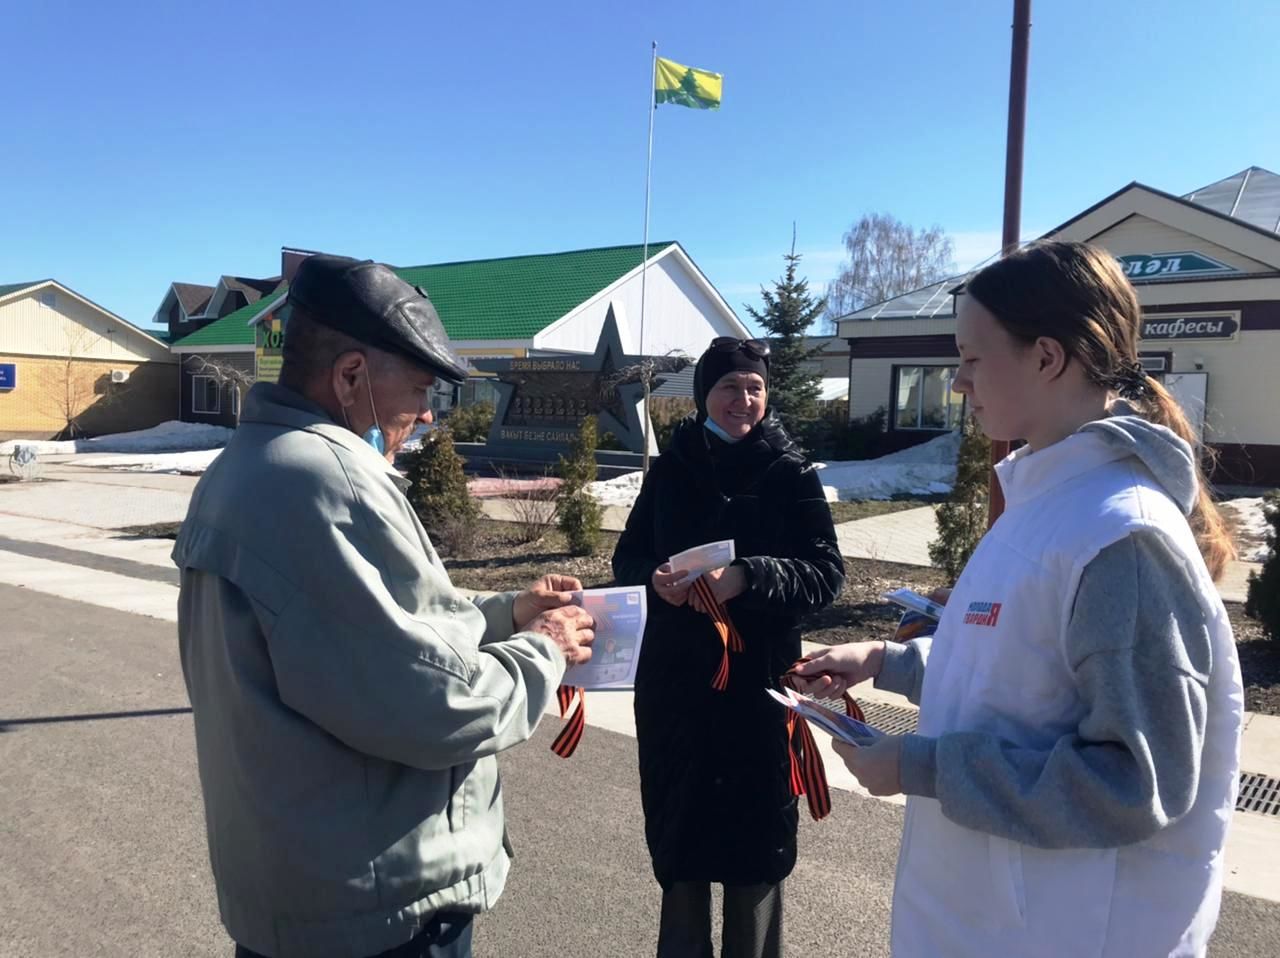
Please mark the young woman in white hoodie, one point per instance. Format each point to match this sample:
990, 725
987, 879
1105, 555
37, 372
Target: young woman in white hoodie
1075, 769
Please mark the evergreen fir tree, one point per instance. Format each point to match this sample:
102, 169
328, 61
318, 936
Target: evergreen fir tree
789, 311
579, 512
1263, 599
438, 493
962, 519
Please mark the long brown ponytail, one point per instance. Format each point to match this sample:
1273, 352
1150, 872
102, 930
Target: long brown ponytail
1078, 295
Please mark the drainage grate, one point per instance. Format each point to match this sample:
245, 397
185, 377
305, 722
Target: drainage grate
1258, 793
893, 719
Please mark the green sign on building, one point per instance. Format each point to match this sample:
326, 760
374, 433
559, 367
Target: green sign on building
1171, 265
269, 346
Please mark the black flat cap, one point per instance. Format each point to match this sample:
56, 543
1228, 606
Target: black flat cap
369, 302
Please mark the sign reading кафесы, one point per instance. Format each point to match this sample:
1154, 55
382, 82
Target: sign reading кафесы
8, 375
1172, 327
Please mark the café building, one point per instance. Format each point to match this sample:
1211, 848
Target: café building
1206, 267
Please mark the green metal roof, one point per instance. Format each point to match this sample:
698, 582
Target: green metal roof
232, 329
511, 298
519, 296
14, 287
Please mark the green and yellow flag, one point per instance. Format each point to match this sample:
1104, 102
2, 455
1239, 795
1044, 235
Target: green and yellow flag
687, 86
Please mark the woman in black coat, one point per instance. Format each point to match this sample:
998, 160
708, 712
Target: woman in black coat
715, 765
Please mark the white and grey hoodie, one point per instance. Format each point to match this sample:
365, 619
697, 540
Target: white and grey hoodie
1080, 714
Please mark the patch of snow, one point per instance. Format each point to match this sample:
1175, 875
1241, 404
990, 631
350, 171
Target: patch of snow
1251, 527
184, 463
924, 470
833, 387
167, 437
620, 491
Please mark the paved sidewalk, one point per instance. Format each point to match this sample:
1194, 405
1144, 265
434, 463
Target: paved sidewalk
896, 537
98, 498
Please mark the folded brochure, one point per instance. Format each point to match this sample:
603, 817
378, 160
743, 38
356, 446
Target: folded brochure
838, 725
914, 602
620, 615
704, 558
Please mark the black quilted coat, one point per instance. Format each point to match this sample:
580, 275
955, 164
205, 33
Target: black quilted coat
714, 768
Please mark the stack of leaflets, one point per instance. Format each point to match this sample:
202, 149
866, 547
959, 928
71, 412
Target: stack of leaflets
844, 727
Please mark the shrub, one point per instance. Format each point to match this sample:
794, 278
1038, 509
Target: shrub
471, 423
1263, 599
844, 440
533, 507
610, 443
962, 519
438, 493
578, 510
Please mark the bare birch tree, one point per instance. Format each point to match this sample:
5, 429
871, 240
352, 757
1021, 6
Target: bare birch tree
74, 381
887, 258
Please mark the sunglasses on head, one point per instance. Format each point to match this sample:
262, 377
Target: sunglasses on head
755, 348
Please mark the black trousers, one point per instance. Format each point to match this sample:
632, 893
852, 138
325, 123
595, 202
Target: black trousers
447, 935
752, 921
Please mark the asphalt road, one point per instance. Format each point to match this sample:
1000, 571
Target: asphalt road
102, 848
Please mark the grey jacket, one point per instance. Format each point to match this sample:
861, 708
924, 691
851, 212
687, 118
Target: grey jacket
348, 702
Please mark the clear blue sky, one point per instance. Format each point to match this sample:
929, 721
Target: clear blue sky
147, 142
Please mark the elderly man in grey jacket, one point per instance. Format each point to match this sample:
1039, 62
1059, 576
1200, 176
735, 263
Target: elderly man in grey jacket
349, 703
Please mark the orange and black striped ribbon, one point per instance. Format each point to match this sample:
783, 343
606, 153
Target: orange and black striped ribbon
571, 734
808, 776
728, 632
730, 638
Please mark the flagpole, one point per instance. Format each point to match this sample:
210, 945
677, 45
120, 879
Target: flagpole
644, 262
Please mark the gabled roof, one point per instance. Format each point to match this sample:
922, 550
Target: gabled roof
1250, 198
5, 290
1183, 201
517, 297
1252, 195
12, 288
192, 297
253, 289
232, 329
513, 297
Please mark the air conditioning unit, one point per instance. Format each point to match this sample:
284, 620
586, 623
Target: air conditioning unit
119, 375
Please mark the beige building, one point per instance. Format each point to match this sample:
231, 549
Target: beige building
1207, 270
69, 366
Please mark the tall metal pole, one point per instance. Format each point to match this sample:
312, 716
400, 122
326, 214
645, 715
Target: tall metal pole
644, 262
1012, 191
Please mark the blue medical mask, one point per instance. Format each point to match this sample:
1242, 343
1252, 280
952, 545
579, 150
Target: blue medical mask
715, 430
372, 435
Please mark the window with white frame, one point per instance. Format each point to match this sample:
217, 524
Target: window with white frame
924, 398
49, 299
206, 395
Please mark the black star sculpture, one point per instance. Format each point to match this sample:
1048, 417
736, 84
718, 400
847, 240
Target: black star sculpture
543, 399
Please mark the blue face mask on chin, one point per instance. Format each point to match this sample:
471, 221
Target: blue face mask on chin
372, 435
714, 428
